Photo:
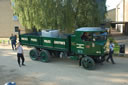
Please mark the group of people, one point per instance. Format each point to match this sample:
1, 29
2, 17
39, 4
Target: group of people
13, 39
20, 53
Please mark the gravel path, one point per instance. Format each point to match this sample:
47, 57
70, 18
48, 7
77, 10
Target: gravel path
59, 71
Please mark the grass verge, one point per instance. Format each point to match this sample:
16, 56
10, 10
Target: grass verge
117, 47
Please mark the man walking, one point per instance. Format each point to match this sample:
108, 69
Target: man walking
15, 40
12, 41
111, 51
20, 55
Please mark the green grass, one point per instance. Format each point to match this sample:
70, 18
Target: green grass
0, 41
5, 41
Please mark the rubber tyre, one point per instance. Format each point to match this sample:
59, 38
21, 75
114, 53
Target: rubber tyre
88, 63
33, 54
44, 56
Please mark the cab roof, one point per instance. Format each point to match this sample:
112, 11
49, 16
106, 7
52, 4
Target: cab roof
91, 29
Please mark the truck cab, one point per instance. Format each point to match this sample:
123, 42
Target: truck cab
89, 41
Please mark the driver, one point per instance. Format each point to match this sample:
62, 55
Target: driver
85, 36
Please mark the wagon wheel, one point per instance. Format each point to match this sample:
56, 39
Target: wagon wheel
33, 54
44, 56
88, 63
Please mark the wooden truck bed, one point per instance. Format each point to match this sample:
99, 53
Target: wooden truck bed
35, 40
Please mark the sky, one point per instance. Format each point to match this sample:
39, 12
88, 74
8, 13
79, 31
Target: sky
112, 4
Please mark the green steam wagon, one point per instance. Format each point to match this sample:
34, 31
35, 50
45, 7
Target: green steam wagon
87, 44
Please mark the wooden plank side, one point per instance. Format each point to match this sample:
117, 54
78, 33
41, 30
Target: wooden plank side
46, 42
24, 40
34, 40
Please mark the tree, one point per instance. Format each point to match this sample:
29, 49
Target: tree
65, 15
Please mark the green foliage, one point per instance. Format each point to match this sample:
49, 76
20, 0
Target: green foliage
87, 13
116, 47
0, 41
65, 15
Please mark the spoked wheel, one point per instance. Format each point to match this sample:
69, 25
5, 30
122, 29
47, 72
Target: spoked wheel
88, 63
44, 56
33, 54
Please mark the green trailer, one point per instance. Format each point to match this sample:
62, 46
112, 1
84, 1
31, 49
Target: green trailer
87, 51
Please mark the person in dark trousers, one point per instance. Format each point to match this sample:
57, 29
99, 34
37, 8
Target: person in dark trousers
111, 51
15, 40
20, 55
12, 41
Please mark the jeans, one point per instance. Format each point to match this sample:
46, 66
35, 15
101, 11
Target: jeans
20, 56
13, 45
110, 56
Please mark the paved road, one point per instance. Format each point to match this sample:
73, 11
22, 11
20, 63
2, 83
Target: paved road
59, 71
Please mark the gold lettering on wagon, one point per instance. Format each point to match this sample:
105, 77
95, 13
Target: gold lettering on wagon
59, 42
47, 41
34, 40
80, 46
26, 39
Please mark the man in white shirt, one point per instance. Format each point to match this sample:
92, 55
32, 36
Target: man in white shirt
111, 51
20, 55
